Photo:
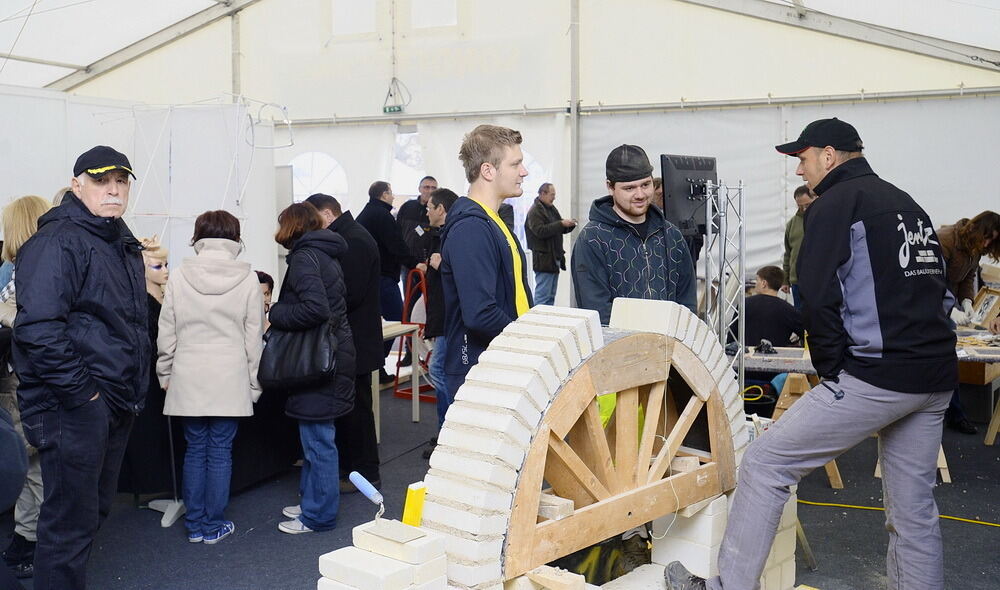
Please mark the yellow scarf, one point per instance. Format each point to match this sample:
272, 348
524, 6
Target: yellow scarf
520, 293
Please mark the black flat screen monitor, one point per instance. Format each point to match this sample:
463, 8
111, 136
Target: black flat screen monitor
684, 194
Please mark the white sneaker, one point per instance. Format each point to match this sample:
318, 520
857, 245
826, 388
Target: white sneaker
293, 527
292, 511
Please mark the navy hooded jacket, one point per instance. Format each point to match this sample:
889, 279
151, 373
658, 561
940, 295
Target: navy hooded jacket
477, 274
611, 260
82, 325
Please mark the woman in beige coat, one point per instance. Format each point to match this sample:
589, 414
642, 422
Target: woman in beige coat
209, 345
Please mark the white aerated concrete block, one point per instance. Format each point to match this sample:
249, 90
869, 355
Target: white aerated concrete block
460, 465
788, 574
421, 550
578, 326
790, 513
644, 315
515, 361
783, 548
440, 583
473, 550
520, 381
565, 338
644, 577
463, 520
692, 509
365, 570
511, 426
546, 348
704, 528
474, 574
467, 492
485, 442
700, 560
431, 571
521, 583
771, 579
517, 402
328, 584
592, 318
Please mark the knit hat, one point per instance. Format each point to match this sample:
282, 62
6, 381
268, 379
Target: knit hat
627, 163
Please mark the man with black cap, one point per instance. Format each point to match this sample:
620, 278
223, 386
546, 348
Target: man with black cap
81, 351
874, 305
628, 249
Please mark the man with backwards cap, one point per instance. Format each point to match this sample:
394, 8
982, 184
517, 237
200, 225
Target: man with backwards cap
628, 249
81, 352
875, 309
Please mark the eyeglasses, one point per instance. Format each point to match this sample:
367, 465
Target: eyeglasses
160, 266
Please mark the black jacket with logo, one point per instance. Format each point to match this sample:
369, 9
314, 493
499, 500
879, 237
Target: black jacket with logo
81, 324
871, 275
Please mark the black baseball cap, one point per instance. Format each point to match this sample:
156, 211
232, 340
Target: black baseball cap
824, 132
627, 163
101, 159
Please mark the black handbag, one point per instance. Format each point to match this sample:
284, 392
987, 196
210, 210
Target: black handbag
295, 359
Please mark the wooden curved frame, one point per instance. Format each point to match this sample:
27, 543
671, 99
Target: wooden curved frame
617, 476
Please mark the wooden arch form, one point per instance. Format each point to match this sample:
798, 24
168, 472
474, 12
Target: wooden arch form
617, 475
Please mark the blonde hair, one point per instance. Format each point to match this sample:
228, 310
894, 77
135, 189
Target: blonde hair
60, 194
153, 249
20, 222
485, 144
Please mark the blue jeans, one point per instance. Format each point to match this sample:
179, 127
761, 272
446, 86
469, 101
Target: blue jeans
390, 303
320, 481
439, 380
545, 287
208, 465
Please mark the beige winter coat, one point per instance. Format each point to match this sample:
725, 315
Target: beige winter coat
211, 328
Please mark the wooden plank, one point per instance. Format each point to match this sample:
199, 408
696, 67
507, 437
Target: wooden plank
654, 414
589, 440
627, 437
675, 438
994, 427
557, 538
524, 512
721, 439
574, 397
630, 361
554, 508
833, 474
570, 473
694, 372
554, 578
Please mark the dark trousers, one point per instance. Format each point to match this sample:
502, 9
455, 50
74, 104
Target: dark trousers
81, 453
355, 438
390, 302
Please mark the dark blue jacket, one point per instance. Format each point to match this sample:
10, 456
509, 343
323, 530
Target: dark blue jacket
611, 260
477, 275
82, 315
311, 295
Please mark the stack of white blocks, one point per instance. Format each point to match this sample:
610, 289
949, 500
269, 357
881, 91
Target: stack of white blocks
378, 563
695, 536
487, 433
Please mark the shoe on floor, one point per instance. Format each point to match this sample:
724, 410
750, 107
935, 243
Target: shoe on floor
195, 537
963, 425
679, 578
224, 531
384, 377
293, 527
407, 359
346, 487
292, 511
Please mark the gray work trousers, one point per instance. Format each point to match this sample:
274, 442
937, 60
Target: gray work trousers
821, 426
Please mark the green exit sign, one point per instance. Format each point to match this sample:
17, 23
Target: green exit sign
392, 109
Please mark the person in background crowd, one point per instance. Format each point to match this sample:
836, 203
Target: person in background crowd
13, 467
628, 249
437, 210
210, 342
506, 214
657, 192
266, 288
963, 245
544, 228
483, 271
393, 254
880, 339
20, 222
794, 230
357, 444
414, 224
768, 316
313, 294
81, 349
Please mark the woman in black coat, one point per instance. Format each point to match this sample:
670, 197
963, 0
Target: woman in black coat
313, 294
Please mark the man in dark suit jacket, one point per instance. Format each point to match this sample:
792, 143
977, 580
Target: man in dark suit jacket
355, 437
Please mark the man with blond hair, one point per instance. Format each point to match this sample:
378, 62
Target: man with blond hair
483, 269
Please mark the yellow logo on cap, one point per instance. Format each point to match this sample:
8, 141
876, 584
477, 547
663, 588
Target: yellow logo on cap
105, 169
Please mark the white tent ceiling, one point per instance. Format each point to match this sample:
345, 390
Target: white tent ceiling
54, 38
